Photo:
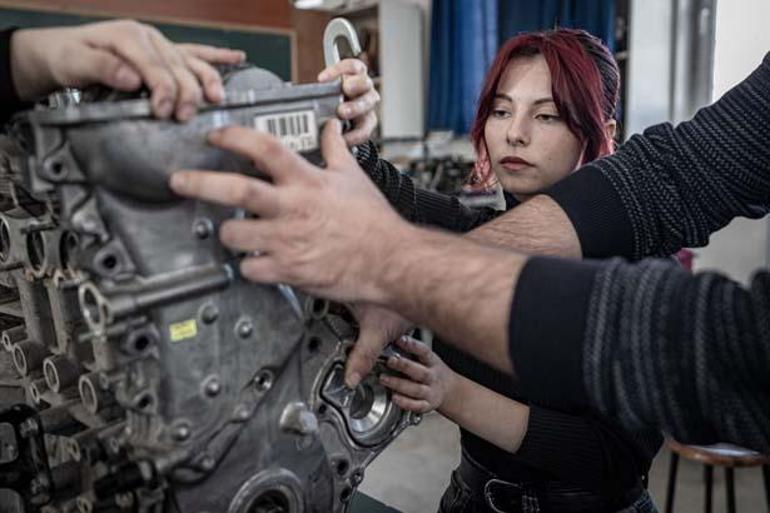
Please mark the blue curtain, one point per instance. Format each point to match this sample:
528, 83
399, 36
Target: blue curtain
464, 39
465, 35
595, 16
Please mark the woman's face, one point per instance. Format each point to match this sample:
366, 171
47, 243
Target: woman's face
530, 147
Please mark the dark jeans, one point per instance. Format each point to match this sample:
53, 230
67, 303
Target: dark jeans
498, 496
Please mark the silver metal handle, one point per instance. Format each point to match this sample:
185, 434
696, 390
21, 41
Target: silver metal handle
340, 30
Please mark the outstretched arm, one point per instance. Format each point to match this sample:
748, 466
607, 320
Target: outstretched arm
121, 54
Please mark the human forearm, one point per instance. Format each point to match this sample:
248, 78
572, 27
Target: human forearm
9, 100
487, 414
122, 55
537, 226
689, 354
651, 345
439, 281
31, 74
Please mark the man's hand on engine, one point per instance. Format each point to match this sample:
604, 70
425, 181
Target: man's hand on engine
329, 232
361, 98
120, 54
377, 328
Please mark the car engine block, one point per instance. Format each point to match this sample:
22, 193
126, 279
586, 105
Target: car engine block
138, 371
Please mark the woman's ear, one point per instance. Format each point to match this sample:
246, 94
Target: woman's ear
611, 129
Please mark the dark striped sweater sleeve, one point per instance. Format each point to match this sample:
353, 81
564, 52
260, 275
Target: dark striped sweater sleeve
689, 354
649, 343
418, 205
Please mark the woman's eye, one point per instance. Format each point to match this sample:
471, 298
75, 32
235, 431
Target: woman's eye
499, 113
548, 118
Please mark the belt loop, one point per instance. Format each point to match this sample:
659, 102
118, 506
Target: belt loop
489, 499
529, 502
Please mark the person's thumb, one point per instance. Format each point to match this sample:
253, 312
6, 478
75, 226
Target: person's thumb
364, 354
333, 146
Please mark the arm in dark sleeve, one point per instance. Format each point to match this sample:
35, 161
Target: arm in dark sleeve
586, 451
648, 344
672, 187
9, 100
417, 205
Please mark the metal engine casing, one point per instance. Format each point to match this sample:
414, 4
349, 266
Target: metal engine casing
160, 380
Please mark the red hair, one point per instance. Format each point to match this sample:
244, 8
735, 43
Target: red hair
585, 85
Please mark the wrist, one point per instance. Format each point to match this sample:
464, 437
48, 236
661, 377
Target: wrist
30, 73
452, 403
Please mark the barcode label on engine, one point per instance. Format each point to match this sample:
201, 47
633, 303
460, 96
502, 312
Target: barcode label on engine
296, 130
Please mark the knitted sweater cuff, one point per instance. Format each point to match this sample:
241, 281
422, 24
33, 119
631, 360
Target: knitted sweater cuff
547, 328
597, 213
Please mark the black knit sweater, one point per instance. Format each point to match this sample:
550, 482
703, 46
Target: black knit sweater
577, 446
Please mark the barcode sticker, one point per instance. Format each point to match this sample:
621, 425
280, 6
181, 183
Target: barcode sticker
296, 130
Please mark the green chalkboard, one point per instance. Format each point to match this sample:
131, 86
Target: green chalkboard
267, 50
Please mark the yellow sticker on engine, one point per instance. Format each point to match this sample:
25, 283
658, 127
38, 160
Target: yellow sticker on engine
183, 330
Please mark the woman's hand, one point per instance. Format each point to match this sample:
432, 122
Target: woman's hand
428, 382
361, 98
121, 54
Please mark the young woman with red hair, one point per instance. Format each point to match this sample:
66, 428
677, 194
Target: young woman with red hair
547, 106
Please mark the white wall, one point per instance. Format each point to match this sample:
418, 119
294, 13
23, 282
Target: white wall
402, 68
742, 40
649, 74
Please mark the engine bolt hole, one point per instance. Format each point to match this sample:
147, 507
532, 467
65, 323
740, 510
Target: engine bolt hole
342, 466
264, 380
314, 344
58, 170
209, 313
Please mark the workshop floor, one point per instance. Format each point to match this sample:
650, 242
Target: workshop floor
412, 473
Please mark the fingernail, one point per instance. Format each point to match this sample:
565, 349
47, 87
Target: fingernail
345, 111
353, 379
336, 126
178, 182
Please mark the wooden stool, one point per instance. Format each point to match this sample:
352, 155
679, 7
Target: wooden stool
721, 455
